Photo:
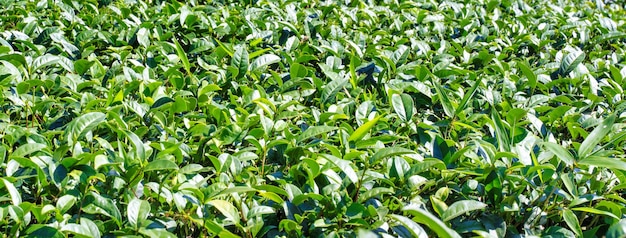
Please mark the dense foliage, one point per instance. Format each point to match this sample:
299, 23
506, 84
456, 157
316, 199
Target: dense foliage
312, 118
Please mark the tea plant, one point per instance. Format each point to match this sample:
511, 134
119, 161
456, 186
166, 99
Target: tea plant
312, 118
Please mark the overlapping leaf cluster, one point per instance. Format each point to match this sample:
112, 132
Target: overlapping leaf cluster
312, 118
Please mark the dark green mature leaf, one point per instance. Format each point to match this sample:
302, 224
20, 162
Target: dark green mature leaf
82, 65
137, 211
332, 88
344, 166
27, 149
424, 217
263, 61
97, 204
16, 198
415, 229
76, 229
81, 125
44, 231
571, 61
468, 95
182, 55
504, 142
157, 233
617, 230
241, 60
403, 106
315, 131
140, 151
448, 109
373, 193
530, 75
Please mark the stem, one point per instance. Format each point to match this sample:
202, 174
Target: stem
355, 197
263, 162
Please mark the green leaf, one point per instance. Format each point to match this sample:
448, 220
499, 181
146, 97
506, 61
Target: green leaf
468, 95
65, 202
182, 55
415, 229
617, 230
241, 60
345, 166
571, 61
448, 109
43, 61
143, 37
595, 211
263, 61
374, 192
137, 211
15, 58
298, 71
76, 229
161, 164
360, 132
27, 149
403, 106
82, 65
332, 88
91, 226
572, 221
140, 151
504, 143
314, 131
596, 136
39, 230
604, 162
560, 152
97, 204
461, 207
161, 233
271, 196
227, 209
426, 218
16, 197
81, 125
238, 189
389, 151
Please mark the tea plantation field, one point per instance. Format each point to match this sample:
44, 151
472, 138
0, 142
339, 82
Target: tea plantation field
312, 118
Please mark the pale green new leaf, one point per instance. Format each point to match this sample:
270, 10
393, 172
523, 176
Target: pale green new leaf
314, 131
560, 152
461, 207
360, 132
227, 209
596, 136
572, 221
389, 151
